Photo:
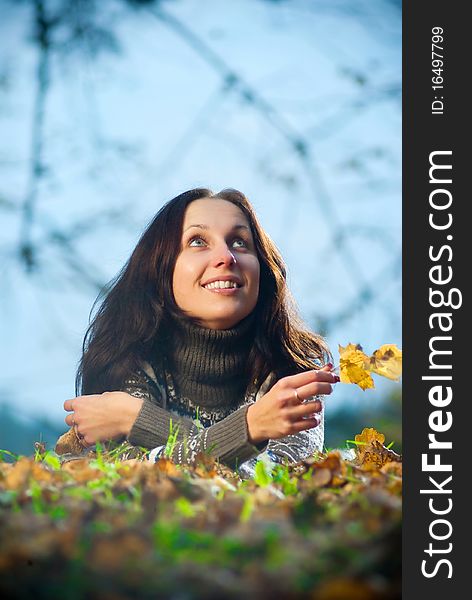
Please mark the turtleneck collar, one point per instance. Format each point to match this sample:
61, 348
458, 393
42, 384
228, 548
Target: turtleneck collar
208, 366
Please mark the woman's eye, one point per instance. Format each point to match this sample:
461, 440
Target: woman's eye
199, 242
196, 239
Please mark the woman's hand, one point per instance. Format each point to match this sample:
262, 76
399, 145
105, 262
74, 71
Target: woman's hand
280, 412
102, 416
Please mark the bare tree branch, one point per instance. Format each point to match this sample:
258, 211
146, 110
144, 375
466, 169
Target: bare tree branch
43, 28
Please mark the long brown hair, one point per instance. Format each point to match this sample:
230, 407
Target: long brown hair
126, 328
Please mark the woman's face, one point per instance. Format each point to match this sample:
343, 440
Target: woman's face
216, 275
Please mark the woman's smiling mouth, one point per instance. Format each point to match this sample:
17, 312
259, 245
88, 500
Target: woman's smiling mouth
225, 287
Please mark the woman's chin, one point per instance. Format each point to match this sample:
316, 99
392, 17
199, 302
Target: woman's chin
222, 321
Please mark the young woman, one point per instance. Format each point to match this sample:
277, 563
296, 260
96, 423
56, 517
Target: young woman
197, 335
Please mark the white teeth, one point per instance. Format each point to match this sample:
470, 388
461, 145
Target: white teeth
219, 285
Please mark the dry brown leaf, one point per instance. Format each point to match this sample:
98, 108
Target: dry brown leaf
329, 469
18, 475
164, 465
41, 473
366, 438
333, 462
206, 466
371, 453
5, 468
377, 455
387, 361
321, 477
69, 443
393, 468
81, 470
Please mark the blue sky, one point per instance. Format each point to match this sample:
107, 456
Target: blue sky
125, 132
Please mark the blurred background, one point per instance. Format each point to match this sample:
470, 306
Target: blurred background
109, 109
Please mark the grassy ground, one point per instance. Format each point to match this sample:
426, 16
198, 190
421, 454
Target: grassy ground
111, 525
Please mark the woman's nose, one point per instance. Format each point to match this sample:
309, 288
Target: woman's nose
224, 256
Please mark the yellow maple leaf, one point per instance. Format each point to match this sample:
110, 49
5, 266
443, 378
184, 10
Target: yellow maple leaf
369, 435
353, 366
387, 361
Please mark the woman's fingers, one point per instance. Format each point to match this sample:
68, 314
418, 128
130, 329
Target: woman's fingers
72, 420
307, 377
303, 410
73, 403
305, 424
309, 383
314, 389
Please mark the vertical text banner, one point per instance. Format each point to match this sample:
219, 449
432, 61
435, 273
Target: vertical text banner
436, 248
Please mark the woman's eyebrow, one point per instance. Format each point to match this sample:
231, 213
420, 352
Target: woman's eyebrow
235, 227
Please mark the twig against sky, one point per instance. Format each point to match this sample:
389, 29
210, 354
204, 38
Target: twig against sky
43, 28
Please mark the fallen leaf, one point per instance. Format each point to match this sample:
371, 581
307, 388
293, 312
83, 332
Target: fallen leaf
331, 461
321, 477
379, 455
369, 435
81, 470
165, 465
393, 468
19, 474
365, 439
371, 453
205, 465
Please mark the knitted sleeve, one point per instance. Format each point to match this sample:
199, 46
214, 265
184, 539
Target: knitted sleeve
226, 440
